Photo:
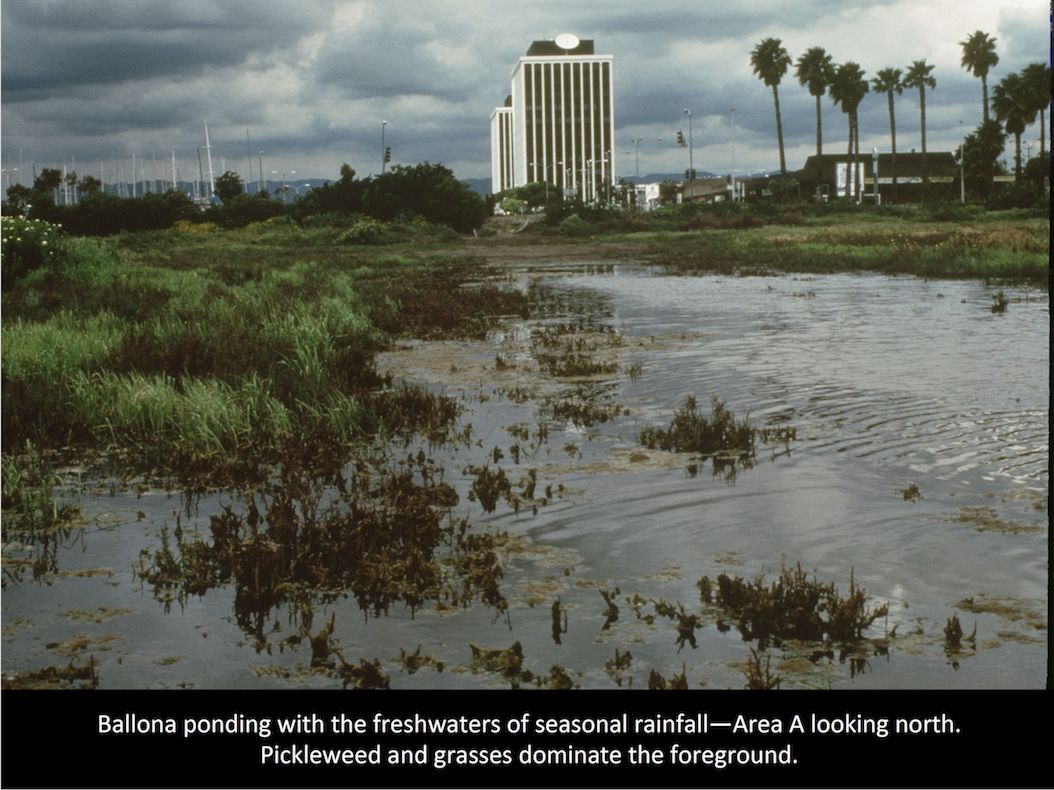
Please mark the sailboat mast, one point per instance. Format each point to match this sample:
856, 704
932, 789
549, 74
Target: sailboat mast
208, 153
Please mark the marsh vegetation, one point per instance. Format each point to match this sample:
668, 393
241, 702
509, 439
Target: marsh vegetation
457, 514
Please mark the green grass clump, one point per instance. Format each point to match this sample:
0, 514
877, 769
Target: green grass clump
1007, 247
691, 432
177, 351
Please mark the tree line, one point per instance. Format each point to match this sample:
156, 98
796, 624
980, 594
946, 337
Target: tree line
1016, 101
424, 190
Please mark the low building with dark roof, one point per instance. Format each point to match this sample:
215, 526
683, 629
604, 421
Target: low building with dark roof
825, 176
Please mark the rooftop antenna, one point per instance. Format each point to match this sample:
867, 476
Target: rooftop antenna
208, 154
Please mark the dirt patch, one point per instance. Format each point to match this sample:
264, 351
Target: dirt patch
1036, 500
665, 575
1006, 607
987, 519
100, 615
85, 573
526, 251
14, 626
622, 460
83, 643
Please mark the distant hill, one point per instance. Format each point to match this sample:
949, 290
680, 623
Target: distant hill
478, 185
652, 178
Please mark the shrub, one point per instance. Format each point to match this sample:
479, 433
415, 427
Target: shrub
365, 231
574, 225
28, 244
691, 432
793, 606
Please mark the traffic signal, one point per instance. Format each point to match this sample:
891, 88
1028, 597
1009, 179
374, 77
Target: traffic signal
387, 153
680, 138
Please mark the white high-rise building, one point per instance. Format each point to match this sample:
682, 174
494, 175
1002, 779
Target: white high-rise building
501, 148
562, 121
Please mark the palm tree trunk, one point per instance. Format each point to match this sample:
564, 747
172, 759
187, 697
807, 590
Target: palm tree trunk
922, 112
1043, 133
1017, 158
779, 129
893, 141
984, 95
819, 129
856, 157
849, 160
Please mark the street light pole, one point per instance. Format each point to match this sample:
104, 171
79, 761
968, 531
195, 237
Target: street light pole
383, 157
874, 175
691, 160
733, 111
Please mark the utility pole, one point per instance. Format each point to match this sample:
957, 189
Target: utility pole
691, 160
384, 151
874, 174
733, 111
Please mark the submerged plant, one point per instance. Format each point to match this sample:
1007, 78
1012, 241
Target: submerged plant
728, 443
33, 517
759, 676
617, 666
911, 493
793, 606
691, 432
656, 682
379, 532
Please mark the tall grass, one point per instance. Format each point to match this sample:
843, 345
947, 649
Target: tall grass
221, 351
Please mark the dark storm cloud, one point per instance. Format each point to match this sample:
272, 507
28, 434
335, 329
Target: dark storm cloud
314, 79
390, 55
54, 48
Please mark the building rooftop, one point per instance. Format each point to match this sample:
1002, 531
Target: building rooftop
550, 48
938, 163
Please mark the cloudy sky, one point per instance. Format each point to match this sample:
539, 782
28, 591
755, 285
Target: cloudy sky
311, 80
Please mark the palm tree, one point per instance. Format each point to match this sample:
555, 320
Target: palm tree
919, 76
771, 61
1037, 77
889, 82
815, 70
1014, 106
848, 89
979, 56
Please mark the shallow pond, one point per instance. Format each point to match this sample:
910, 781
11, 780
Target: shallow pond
919, 466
